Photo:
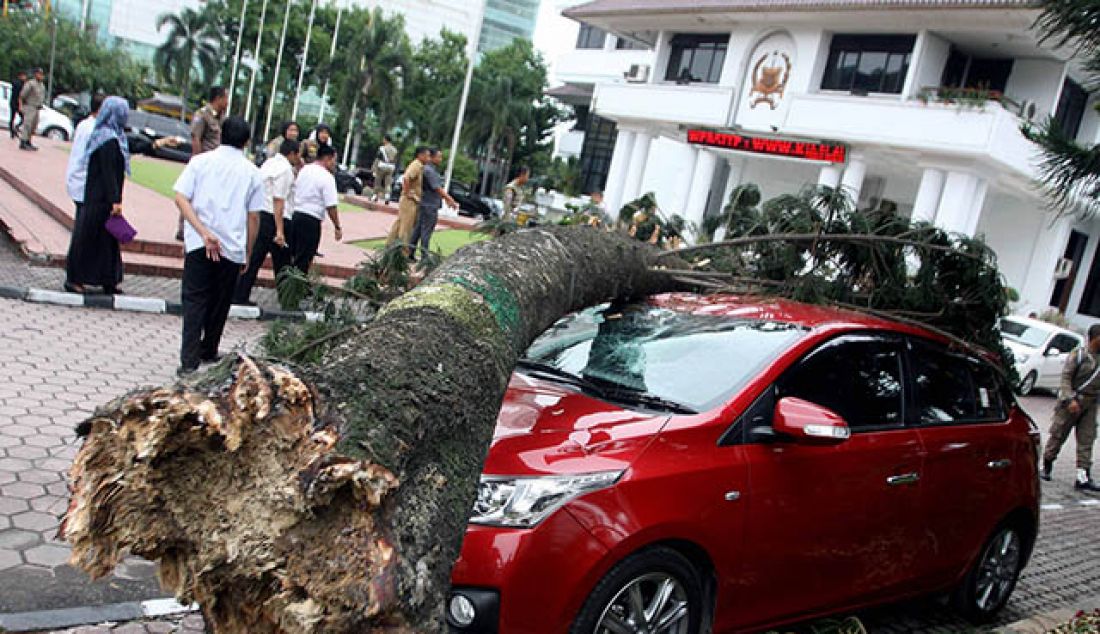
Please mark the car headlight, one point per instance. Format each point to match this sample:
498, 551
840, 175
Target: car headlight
524, 502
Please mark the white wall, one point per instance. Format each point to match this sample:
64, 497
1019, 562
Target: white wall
668, 173
1038, 81
1010, 225
779, 176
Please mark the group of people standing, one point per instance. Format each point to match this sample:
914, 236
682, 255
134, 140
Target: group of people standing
28, 97
422, 194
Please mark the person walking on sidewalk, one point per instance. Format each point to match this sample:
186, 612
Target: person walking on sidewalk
411, 191
94, 256
206, 130
432, 197
13, 103
1076, 411
385, 162
314, 195
76, 172
277, 173
220, 194
31, 99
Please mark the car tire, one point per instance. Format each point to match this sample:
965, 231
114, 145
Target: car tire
988, 584
56, 134
650, 573
1028, 384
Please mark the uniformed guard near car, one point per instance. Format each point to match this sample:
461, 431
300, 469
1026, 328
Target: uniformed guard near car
1076, 411
31, 98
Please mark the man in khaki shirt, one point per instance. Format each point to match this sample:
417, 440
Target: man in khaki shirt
411, 191
31, 98
206, 130
1076, 410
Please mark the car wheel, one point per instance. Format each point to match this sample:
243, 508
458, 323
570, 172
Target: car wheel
57, 134
987, 586
655, 591
1028, 384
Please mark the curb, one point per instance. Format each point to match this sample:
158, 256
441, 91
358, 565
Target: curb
90, 615
1046, 621
138, 304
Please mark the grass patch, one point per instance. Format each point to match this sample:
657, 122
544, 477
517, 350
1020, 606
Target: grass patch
446, 241
158, 176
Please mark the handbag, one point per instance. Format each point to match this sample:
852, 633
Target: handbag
121, 229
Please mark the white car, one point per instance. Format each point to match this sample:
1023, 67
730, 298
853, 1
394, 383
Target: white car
51, 123
1039, 350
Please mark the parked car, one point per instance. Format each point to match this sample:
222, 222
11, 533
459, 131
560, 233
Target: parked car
347, 182
71, 107
691, 464
142, 128
51, 123
1039, 350
470, 203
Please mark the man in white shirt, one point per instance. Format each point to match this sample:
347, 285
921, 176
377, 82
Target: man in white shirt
220, 194
76, 174
277, 173
314, 195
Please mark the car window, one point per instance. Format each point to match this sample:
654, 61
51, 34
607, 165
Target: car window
858, 377
952, 388
1024, 334
990, 392
1064, 343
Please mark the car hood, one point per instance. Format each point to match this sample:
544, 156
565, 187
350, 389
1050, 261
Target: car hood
549, 429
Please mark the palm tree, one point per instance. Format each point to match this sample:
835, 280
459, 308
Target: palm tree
193, 39
495, 116
1070, 173
382, 54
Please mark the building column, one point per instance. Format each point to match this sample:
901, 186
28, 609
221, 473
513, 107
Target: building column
733, 179
705, 162
954, 210
616, 173
1047, 249
977, 202
635, 170
928, 196
852, 181
684, 204
829, 176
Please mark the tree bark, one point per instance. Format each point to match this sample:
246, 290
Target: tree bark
334, 497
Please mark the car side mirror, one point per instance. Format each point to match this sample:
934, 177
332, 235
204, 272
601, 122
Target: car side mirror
1052, 352
804, 421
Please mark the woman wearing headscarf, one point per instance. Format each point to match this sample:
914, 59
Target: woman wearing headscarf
288, 130
94, 256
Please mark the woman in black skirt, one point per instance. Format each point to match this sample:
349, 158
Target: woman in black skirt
94, 257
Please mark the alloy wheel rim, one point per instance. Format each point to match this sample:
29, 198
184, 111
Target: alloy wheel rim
1028, 384
653, 603
998, 570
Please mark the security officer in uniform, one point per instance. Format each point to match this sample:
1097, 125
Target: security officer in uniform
1076, 411
31, 98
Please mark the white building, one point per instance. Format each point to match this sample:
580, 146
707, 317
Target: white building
784, 93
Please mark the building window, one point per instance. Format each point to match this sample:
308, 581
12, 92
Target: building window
1071, 108
968, 71
599, 145
697, 58
580, 118
623, 44
591, 37
864, 64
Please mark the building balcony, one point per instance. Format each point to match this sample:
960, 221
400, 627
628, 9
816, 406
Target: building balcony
986, 131
593, 66
692, 104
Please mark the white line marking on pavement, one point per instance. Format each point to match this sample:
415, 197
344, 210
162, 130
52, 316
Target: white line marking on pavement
1052, 507
165, 607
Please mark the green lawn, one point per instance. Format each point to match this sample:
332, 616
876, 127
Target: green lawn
158, 176
446, 241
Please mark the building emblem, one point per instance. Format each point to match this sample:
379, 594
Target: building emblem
769, 79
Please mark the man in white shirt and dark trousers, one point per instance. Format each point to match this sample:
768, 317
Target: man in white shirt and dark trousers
277, 173
220, 194
76, 174
314, 195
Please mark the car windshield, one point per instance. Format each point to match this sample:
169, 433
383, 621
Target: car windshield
694, 361
1023, 334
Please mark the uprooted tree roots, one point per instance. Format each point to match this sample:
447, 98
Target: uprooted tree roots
333, 497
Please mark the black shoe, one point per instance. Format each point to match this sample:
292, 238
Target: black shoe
179, 235
184, 371
1045, 473
32, 147
1087, 486
208, 360
72, 288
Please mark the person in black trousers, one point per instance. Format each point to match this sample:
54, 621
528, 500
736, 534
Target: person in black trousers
314, 195
13, 103
220, 194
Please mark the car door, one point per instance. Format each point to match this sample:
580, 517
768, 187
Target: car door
829, 524
1055, 354
962, 414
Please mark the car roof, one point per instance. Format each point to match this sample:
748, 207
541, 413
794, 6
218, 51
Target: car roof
1043, 325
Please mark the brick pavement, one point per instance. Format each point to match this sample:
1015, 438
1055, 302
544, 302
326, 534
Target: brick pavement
57, 365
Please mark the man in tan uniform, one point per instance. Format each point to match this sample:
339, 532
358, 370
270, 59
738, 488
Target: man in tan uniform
31, 98
206, 130
1076, 411
411, 191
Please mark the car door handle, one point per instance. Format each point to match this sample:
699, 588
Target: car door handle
903, 478
1003, 463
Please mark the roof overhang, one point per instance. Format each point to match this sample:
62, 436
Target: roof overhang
613, 8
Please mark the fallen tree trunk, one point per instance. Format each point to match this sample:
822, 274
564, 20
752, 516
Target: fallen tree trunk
334, 497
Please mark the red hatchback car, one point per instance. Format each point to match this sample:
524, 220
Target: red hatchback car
692, 464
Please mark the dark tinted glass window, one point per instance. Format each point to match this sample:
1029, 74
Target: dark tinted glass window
624, 44
868, 63
1063, 343
590, 37
945, 390
1071, 108
990, 392
697, 58
856, 377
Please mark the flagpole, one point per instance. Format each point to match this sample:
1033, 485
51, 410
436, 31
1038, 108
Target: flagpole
351, 126
255, 69
236, 57
305, 59
275, 79
465, 95
331, 56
